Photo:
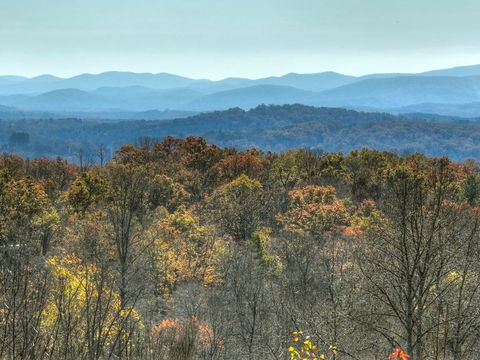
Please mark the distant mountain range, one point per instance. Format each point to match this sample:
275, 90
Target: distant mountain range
451, 92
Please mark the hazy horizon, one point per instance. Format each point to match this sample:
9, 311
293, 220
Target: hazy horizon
66, 76
250, 39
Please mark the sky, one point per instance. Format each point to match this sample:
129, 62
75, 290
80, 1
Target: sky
249, 38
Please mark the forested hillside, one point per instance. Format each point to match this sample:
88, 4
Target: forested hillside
275, 128
181, 249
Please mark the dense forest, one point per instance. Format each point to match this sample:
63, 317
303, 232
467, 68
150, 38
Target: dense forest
181, 249
270, 128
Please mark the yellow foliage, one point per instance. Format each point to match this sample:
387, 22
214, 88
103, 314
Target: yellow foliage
185, 250
459, 277
75, 289
303, 348
261, 240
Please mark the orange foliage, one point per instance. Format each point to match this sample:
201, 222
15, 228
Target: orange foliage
315, 210
55, 174
399, 354
173, 327
244, 163
181, 339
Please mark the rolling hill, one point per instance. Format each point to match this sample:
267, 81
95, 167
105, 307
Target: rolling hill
7, 109
310, 82
472, 70
250, 97
404, 90
64, 100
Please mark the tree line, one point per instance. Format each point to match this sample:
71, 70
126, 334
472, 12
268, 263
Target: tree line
179, 249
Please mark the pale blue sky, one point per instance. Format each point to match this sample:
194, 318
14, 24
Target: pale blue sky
220, 38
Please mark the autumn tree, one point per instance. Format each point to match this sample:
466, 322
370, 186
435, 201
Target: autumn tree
25, 215
233, 166
238, 207
183, 250
367, 170
314, 210
119, 193
284, 170
406, 257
